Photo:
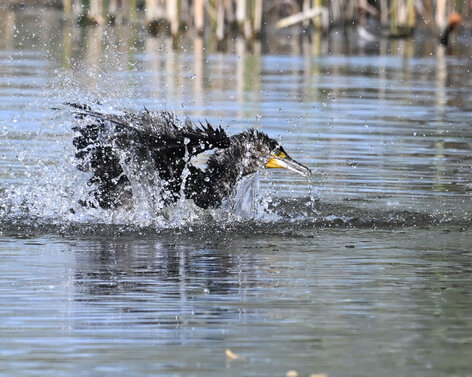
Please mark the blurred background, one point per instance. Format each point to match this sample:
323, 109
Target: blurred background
252, 18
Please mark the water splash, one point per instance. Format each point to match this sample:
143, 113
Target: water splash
51, 193
48, 201
51, 188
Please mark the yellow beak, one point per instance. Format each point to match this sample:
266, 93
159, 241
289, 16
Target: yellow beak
285, 162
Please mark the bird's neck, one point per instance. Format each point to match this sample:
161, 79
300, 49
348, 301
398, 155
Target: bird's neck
209, 187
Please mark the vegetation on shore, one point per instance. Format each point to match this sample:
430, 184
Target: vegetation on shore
250, 18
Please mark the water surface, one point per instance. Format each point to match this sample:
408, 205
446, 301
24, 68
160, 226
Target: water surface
365, 269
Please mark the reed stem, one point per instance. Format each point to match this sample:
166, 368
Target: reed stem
249, 18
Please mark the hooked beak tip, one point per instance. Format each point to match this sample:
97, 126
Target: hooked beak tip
290, 164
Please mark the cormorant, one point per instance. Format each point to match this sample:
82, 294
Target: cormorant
174, 157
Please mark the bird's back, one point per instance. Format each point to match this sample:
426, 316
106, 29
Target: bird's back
152, 146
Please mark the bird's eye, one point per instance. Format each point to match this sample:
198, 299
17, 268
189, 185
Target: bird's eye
277, 152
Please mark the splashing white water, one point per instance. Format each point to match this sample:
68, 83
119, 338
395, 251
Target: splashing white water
52, 193
52, 188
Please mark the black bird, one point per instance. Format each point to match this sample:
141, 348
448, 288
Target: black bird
173, 157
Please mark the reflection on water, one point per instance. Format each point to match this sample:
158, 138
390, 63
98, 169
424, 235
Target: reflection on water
386, 128
373, 299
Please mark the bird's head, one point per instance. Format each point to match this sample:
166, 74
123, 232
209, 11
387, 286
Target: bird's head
280, 159
261, 150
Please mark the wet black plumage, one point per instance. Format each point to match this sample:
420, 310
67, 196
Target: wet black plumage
174, 157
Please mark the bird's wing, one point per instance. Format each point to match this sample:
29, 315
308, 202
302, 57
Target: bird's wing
157, 142
160, 131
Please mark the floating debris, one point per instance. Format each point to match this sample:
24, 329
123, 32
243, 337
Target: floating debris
232, 356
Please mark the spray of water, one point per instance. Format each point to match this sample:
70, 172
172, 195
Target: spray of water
53, 188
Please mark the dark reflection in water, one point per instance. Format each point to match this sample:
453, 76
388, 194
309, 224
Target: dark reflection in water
342, 302
156, 261
161, 285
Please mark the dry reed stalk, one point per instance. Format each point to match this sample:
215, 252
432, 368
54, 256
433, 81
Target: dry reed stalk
173, 16
240, 13
96, 12
394, 17
335, 11
126, 10
199, 16
383, 12
229, 12
241, 17
400, 15
441, 14
427, 12
258, 6
300, 17
67, 4
131, 4
114, 11
153, 10
411, 15
306, 6
317, 20
349, 12
184, 13
220, 20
